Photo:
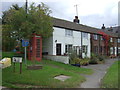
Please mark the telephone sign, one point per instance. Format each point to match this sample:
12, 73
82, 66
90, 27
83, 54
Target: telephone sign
25, 42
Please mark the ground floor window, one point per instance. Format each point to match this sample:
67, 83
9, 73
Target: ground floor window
111, 50
101, 49
118, 50
68, 48
77, 49
84, 48
95, 49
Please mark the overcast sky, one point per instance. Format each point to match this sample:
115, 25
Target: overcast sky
90, 12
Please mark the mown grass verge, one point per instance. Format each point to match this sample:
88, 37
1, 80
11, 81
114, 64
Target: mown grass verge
110, 80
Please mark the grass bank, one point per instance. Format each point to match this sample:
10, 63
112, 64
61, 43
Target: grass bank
110, 80
43, 78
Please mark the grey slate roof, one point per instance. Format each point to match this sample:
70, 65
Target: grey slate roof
114, 29
79, 27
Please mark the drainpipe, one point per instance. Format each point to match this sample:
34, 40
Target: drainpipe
117, 47
99, 43
113, 46
91, 51
81, 44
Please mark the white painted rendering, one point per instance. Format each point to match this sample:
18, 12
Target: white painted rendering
86, 41
48, 45
59, 37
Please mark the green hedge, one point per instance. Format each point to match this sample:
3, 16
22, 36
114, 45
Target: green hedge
10, 54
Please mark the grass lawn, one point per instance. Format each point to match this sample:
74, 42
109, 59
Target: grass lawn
111, 78
43, 78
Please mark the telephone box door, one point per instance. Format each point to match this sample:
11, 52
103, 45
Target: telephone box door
35, 48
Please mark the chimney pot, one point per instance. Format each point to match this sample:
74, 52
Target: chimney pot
76, 20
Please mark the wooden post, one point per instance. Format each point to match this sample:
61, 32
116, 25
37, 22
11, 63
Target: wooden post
14, 67
20, 68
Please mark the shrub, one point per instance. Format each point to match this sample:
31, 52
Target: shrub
93, 62
8, 54
73, 56
77, 60
101, 58
94, 59
11, 54
84, 61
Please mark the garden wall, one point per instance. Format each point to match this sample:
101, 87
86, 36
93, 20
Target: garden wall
63, 59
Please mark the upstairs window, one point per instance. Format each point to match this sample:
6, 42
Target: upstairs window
68, 32
95, 37
85, 35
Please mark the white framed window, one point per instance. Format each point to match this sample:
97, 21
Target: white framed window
101, 38
95, 36
96, 49
111, 39
111, 50
75, 49
118, 50
68, 32
68, 48
85, 35
84, 49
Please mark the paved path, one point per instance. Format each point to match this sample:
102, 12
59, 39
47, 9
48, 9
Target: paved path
2, 87
93, 81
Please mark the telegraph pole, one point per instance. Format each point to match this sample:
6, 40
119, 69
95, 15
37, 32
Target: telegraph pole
76, 6
25, 57
26, 7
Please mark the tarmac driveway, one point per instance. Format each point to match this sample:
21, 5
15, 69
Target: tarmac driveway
93, 81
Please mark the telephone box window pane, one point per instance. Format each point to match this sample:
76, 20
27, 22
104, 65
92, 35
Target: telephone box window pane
38, 48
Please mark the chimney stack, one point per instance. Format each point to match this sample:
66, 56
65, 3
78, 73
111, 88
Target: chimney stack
103, 27
76, 20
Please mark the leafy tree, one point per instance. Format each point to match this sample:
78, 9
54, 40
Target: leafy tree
18, 25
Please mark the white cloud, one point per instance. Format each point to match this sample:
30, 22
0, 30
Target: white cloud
91, 12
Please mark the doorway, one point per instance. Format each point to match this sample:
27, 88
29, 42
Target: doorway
58, 49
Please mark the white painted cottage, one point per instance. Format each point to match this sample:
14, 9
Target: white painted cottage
69, 36
65, 39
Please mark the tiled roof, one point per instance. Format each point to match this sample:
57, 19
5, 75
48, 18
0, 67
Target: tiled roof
79, 27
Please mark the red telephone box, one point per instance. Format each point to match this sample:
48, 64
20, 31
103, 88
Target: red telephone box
35, 48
